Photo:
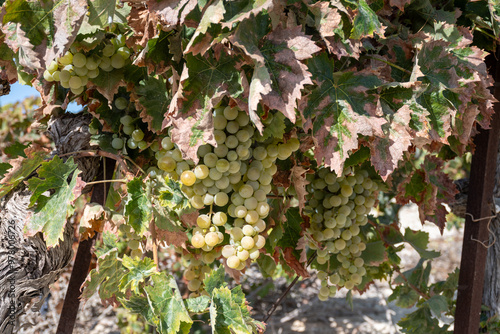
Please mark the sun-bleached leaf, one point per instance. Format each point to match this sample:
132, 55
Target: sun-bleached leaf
339, 109
200, 42
171, 12
298, 179
283, 51
203, 83
387, 151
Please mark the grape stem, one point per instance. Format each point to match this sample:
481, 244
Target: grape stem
93, 153
105, 181
152, 227
290, 286
417, 290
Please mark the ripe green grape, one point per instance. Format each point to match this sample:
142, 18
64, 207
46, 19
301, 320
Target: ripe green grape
117, 61
121, 103
117, 143
188, 178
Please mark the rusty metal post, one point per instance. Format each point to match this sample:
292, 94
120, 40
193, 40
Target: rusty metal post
479, 205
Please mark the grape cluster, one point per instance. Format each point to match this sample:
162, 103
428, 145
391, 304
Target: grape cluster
230, 183
194, 274
338, 207
74, 69
134, 241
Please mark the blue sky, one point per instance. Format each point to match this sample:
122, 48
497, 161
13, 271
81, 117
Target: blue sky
19, 92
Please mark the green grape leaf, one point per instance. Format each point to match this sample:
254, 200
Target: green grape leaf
404, 296
366, 22
16, 149
138, 206
374, 252
340, 108
153, 101
214, 279
422, 321
108, 82
229, 317
198, 304
51, 212
240, 11
275, 129
419, 241
106, 276
203, 83
437, 304
104, 13
138, 271
52, 175
21, 169
4, 167
292, 232
162, 306
267, 265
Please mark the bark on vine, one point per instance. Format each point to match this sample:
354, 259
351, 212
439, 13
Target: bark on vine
27, 267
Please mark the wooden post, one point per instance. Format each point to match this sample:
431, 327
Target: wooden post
83, 256
479, 205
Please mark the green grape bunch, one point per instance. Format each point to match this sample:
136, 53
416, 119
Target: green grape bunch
338, 207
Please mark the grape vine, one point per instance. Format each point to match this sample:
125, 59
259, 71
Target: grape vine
253, 133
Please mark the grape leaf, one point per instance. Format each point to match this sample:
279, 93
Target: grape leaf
198, 304
4, 167
108, 82
106, 276
53, 174
104, 13
229, 317
214, 280
419, 240
16, 149
40, 31
200, 41
338, 109
387, 151
204, 81
171, 13
292, 230
275, 129
21, 168
283, 51
428, 187
50, 213
374, 252
238, 11
153, 101
166, 309
298, 179
366, 22
138, 206
138, 271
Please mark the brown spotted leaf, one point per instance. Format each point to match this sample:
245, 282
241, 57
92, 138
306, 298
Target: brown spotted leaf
341, 107
298, 179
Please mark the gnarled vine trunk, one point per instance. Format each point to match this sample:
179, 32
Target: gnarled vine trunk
27, 267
